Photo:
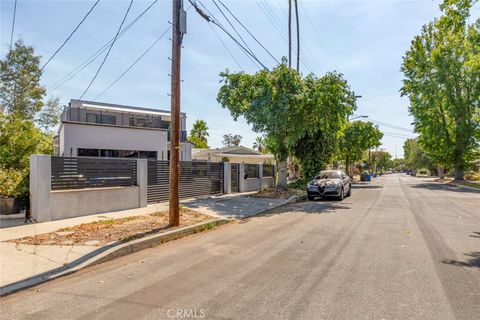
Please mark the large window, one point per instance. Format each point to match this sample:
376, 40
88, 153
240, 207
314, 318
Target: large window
101, 118
251, 171
268, 170
84, 152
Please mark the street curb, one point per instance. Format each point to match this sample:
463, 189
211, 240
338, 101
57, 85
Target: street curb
116, 250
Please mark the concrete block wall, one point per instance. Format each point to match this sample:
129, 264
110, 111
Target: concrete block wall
48, 205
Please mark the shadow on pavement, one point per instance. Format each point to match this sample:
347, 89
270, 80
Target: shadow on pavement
473, 260
438, 186
366, 186
309, 207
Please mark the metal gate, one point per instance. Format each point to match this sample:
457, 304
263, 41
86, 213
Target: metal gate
235, 175
196, 179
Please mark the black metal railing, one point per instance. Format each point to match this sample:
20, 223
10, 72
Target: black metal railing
80, 173
196, 179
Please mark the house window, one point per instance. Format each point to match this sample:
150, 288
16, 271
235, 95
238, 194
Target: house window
251, 171
109, 153
147, 154
91, 118
137, 122
268, 170
128, 154
83, 152
101, 118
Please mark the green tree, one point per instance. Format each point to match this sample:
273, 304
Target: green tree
19, 139
442, 82
415, 157
327, 103
260, 144
231, 140
20, 90
269, 101
199, 134
382, 160
358, 137
49, 117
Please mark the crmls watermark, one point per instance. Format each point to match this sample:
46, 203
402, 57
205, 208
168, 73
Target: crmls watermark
185, 313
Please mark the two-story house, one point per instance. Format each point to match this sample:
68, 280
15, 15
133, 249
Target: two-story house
94, 129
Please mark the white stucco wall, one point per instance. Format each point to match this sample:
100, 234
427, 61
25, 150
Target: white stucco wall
74, 135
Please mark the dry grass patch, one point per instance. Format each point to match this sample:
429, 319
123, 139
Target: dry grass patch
102, 232
271, 193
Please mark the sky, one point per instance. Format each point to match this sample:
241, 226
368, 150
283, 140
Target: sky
364, 40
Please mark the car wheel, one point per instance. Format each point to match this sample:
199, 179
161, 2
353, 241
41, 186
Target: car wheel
342, 195
349, 193
310, 198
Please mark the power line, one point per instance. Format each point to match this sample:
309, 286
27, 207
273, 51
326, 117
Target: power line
212, 20
246, 29
319, 37
277, 24
133, 64
225, 46
97, 53
233, 27
109, 49
13, 23
71, 34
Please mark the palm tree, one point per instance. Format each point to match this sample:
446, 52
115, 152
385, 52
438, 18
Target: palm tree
199, 134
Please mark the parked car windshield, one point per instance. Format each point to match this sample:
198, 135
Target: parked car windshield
328, 175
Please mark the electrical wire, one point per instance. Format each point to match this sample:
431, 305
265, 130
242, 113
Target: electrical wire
13, 23
233, 27
246, 29
133, 64
109, 49
71, 34
212, 20
319, 37
225, 46
97, 53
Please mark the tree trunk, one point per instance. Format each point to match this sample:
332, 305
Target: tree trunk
459, 174
440, 172
282, 184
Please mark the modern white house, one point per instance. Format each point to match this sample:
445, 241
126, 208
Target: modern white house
95, 129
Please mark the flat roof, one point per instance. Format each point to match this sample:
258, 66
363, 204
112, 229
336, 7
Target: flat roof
121, 108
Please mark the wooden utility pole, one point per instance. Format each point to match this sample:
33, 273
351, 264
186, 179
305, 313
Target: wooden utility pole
178, 29
289, 33
298, 35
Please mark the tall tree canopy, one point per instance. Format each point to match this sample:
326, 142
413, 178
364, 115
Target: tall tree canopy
442, 81
21, 92
327, 103
199, 134
358, 137
415, 157
270, 101
231, 140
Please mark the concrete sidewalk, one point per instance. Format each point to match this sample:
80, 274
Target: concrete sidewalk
18, 262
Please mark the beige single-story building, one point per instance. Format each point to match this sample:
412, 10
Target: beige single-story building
233, 154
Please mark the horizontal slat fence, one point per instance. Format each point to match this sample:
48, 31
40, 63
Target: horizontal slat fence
196, 179
80, 173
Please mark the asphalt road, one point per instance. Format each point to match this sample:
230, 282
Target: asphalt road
399, 248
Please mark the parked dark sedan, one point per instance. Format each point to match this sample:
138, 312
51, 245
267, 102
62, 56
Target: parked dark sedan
329, 183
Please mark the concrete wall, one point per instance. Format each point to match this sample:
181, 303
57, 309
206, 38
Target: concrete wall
253, 184
74, 203
75, 135
48, 205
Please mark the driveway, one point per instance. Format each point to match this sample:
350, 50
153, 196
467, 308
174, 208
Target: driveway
399, 248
